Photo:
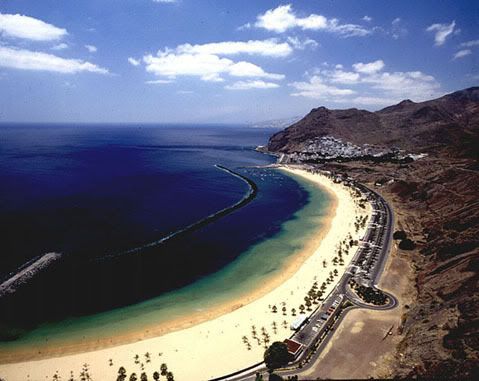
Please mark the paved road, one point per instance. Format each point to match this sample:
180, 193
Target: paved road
366, 267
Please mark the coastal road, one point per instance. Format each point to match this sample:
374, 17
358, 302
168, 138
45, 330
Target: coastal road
366, 266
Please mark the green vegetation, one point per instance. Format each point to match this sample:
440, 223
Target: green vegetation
275, 377
407, 244
276, 355
369, 294
121, 374
399, 234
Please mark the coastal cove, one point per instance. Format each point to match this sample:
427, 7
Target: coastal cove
194, 344
260, 269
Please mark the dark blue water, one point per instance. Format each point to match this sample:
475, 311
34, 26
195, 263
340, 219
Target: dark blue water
92, 191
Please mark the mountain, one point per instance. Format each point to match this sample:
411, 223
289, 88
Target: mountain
448, 123
435, 197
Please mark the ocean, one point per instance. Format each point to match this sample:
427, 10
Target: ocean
100, 194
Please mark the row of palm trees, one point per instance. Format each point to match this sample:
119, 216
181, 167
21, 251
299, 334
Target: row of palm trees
123, 376
264, 338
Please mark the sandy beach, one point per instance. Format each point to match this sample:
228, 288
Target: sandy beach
216, 342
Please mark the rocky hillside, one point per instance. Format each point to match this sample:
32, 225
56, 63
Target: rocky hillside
448, 123
436, 200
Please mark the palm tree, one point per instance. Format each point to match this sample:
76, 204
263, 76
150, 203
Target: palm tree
308, 304
284, 310
147, 357
293, 311
121, 374
169, 376
143, 377
163, 369
156, 376
133, 377
275, 309
301, 308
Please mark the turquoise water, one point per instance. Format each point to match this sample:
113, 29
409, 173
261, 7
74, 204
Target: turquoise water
254, 267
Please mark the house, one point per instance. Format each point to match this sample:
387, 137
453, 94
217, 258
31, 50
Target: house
294, 348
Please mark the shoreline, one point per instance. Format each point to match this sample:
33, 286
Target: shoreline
45, 351
233, 312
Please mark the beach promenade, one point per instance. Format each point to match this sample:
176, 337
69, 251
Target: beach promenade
234, 336
366, 267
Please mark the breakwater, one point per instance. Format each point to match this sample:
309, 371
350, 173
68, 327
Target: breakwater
247, 198
26, 272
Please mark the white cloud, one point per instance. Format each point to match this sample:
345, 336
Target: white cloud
207, 61
299, 44
29, 28
469, 44
247, 69
397, 29
158, 82
368, 68
270, 47
283, 18
377, 87
247, 85
343, 77
91, 48
401, 85
134, 61
208, 67
347, 30
31, 60
61, 46
367, 18
441, 32
462, 53
316, 88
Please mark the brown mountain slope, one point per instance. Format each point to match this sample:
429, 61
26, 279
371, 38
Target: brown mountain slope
450, 122
436, 201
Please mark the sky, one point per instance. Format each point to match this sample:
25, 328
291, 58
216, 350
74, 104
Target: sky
205, 61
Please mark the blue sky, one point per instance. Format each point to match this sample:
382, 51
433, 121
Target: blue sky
227, 61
